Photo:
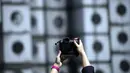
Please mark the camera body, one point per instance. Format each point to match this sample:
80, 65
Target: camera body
68, 47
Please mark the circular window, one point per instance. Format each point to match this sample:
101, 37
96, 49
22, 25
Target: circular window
18, 47
97, 46
124, 65
122, 37
58, 21
16, 17
96, 19
121, 9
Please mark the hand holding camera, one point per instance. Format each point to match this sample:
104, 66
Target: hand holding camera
58, 60
79, 46
68, 47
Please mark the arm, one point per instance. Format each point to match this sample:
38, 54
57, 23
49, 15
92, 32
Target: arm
80, 49
85, 61
57, 63
87, 68
53, 70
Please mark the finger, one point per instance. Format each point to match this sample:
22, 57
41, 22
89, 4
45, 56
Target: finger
57, 61
76, 43
59, 54
80, 42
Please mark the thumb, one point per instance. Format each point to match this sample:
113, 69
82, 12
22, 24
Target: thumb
76, 43
59, 54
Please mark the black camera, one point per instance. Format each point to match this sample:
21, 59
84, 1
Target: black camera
67, 46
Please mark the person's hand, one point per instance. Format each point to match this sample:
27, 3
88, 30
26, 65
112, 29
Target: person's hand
80, 47
58, 60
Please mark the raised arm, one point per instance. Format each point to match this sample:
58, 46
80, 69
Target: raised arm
80, 48
56, 66
87, 68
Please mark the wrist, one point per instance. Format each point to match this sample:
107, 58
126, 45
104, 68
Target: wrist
83, 54
56, 67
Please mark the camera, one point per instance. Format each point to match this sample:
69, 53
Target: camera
67, 46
